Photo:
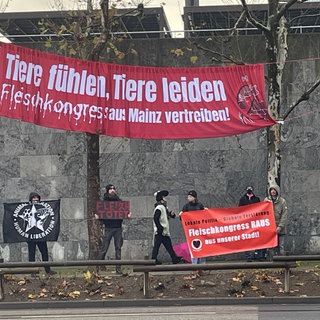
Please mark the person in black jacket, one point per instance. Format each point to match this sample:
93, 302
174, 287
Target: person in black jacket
112, 229
42, 245
193, 205
246, 199
249, 197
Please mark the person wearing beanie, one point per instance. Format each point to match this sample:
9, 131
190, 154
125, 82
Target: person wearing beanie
193, 205
248, 198
280, 209
161, 234
42, 245
112, 229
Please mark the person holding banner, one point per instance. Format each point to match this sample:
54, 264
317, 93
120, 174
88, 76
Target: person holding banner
112, 229
280, 209
161, 228
193, 205
246, 199
42, 245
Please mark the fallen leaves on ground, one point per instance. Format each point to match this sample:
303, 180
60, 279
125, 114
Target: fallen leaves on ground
217, 283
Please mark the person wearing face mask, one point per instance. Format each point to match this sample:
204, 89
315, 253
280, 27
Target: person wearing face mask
248, 198
161, 234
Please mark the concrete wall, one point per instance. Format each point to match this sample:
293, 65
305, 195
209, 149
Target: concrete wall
53, 162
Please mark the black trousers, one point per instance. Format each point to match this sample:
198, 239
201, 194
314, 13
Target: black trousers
116, 234
43, 248
166, 241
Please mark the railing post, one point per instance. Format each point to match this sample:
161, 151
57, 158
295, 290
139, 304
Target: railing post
1, 283
146, 284
1, 287
287, 279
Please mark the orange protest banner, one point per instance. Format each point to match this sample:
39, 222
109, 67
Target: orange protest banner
219, 231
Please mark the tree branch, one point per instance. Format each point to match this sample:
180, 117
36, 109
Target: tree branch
96, 50
252, 20
283, 9
243, 13
304, 97
229, 59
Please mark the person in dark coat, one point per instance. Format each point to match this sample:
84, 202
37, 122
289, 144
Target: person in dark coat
248, 198
42, 245
193, 205
112, 229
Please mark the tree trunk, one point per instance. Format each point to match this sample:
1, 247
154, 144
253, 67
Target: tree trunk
93, 193
273, 133
277, 52
93, 142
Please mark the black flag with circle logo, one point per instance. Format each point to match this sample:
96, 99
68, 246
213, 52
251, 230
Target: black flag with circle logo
31, 221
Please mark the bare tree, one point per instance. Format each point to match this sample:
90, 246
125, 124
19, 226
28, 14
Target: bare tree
275, 31
93, 145
86, 34
276, 34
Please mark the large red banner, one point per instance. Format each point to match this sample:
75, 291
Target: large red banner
131, 101
219, 231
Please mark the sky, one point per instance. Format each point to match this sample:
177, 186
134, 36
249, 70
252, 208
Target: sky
173, 8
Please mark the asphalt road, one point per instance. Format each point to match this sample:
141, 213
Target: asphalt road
227, 312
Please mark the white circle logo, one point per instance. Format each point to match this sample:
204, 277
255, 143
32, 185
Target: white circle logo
196, 244
34, 221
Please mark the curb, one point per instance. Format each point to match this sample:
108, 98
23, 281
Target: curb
158, 302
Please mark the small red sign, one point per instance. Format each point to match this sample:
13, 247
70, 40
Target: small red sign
113, 209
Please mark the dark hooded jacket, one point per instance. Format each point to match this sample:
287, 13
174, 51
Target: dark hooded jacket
34, 194
280, 209
245, 200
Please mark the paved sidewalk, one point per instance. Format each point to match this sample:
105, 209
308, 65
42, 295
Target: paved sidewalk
158, 302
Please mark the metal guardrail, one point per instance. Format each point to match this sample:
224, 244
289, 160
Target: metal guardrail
77, 263
213, 266
4, 271
314, 257
33, 267
148, 266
